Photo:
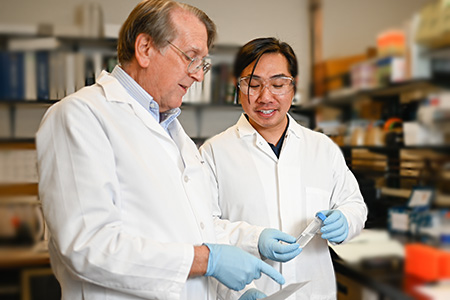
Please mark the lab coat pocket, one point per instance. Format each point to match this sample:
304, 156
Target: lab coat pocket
316, 200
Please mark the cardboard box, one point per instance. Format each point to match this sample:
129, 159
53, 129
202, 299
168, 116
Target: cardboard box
334, 74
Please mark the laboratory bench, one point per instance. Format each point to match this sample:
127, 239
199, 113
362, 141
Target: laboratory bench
382, 282
25, 274
377, 278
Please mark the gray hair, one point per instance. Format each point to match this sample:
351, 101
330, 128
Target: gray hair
153, 17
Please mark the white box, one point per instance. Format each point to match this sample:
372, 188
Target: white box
410, 133
28, 119
5, 126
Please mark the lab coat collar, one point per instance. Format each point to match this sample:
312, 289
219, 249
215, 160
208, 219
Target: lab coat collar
294, 127
115, 92
245, 128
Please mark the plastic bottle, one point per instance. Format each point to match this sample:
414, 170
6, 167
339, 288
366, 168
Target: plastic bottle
311, 230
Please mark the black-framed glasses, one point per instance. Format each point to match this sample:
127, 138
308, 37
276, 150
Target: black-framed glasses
278, 85
195, 63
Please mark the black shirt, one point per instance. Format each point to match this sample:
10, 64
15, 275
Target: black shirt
277, 149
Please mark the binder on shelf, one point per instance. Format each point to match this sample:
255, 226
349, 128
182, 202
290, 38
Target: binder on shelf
194, 93
74, 72
89, 71
4, 77
53, 75
69, 60
16, 89
79, 70
98, 63
222, 87
207, 86
43, 68
30, 76
42, 75
57, 71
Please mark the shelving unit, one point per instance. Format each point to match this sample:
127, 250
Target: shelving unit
386, 177
346, 98
20, 117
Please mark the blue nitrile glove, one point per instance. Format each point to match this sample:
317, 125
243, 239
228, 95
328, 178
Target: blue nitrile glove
335, 226
252, 294
236, 268
269, 245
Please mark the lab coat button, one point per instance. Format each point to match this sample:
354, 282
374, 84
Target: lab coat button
202, 226
186, 178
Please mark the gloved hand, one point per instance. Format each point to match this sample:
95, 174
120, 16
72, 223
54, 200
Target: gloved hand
335, 226
269, 245
236, 268
252, 294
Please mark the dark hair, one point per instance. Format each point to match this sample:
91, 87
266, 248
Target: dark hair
153, 17
253, 50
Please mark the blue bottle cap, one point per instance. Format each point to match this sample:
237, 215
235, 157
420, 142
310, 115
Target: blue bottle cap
321, 216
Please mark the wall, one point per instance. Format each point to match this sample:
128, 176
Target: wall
351, 26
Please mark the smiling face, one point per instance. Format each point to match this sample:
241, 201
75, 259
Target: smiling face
166, 79
267, 112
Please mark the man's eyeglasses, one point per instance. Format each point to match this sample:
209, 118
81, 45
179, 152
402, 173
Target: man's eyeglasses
279, 85
195, 63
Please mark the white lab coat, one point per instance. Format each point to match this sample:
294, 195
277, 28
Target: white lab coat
124, 201
253, 185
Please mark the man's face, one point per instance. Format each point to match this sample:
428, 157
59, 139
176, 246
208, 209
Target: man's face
168, 79
266, 110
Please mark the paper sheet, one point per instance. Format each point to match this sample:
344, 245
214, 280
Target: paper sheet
286, 292
438, 291
369, 244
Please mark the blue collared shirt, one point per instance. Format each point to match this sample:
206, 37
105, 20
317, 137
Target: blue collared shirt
144, 98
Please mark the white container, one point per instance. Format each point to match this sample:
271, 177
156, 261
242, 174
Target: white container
311, 230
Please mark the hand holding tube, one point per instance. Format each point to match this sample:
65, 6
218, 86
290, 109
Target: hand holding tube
335, 226
269, 245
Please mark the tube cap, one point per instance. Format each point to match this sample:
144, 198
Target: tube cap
321, 216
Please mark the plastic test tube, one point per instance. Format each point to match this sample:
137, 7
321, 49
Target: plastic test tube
311, 230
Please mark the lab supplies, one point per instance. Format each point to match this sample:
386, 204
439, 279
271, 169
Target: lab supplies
311, 230
409, 218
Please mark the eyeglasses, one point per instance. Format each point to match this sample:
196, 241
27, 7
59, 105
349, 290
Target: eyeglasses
196, 63
279, 85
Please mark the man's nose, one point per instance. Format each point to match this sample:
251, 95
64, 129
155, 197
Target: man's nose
199, 75
265, 95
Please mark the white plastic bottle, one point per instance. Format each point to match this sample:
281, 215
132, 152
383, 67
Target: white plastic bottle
311, 230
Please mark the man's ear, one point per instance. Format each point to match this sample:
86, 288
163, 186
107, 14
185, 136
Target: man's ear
143, 49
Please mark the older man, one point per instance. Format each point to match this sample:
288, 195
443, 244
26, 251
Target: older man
122, 185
